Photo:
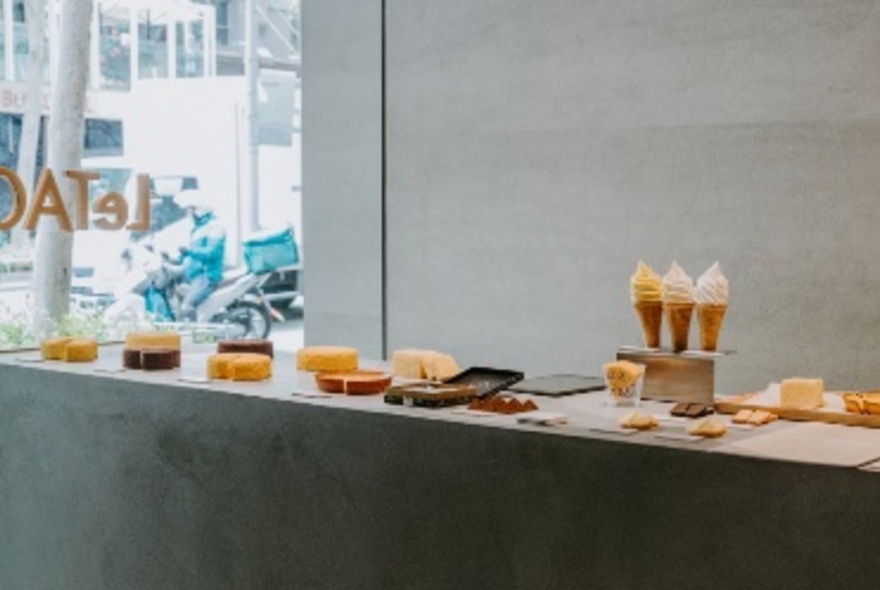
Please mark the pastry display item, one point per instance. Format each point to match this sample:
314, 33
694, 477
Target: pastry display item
250, 367
761, 417
413, 363
219, 365
150, 340
502, 405
742, 417
353, 383
253, 346
801, 394
81, 350
150, 359
709, 427
754, 417
646, 296
327, 359
679, 409
52, 349
678, 305
698, 410
862, 402
131, 359
624, 381
638, 421
872, 404
711, 295
691, 410
157, 359
854, 403
234, 366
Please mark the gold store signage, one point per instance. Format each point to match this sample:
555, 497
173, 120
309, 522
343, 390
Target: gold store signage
47, 201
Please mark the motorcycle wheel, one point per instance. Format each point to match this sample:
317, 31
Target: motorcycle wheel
253, 319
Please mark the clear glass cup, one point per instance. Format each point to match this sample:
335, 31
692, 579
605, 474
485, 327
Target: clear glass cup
626, 394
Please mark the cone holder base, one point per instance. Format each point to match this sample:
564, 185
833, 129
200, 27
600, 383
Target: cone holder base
687, 376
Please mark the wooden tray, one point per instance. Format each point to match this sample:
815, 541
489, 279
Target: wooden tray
834, 411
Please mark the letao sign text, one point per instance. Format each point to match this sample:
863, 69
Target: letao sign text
112, 208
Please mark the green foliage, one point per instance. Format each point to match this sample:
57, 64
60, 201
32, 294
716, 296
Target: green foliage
15, 328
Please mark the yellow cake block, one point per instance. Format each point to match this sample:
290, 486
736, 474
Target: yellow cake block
239, 366
327, 359
149, 340
219, 365
52, 349
250, 367
81, 350
413, 363
801, 394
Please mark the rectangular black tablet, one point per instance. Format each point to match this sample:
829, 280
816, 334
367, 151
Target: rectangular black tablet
559, 385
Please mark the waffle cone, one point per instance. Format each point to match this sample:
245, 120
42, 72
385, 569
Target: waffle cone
678, 318
711, 318
651, 315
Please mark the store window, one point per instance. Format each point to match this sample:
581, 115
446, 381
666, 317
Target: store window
152, 45
103, 137
190, 49
165, 101
114, 31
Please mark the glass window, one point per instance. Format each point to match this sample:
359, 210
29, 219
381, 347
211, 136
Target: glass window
190, 49
152, 45
19, 39
115, 46
103, 137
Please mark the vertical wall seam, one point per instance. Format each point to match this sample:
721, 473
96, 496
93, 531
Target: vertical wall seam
384, 189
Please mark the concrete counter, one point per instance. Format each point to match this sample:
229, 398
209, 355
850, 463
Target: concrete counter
140, 481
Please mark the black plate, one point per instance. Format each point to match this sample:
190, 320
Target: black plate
486, 379
559, 385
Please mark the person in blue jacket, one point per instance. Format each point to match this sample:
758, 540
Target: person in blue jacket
203, 258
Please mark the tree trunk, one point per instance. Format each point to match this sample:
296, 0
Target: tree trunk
35, 14
52, 264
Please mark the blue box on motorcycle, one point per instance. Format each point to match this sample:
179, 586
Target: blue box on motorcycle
268, 251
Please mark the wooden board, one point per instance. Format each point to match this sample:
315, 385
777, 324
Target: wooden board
834, 411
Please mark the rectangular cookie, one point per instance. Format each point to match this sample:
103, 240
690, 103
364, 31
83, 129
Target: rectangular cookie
680, 409
742, 417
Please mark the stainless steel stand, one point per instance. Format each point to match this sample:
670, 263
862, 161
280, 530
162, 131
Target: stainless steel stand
687, 376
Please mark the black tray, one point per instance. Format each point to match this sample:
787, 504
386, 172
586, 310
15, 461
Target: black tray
487, 380
559, 385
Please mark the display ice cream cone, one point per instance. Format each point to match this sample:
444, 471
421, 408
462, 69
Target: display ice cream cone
678, 317
711, 318
651, 316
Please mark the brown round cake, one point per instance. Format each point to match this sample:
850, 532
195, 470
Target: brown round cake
157, 359
354, 382
252, 346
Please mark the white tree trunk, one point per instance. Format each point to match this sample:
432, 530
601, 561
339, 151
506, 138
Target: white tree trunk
35, 14
52, 264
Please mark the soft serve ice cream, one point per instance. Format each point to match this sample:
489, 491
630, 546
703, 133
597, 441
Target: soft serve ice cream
712, 287
678, 287
678, 305
711, 294
646, 294
645, 284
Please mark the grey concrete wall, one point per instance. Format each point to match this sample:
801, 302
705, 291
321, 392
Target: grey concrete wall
342, 173
538, 150
112, 484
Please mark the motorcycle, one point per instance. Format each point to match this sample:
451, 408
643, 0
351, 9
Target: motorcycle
154, 286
